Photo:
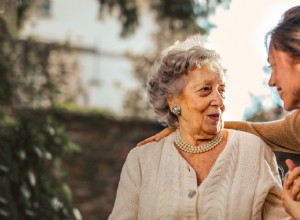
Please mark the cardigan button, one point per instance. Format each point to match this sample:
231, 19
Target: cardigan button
192, 194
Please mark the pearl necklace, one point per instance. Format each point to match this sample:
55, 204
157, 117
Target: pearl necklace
197, 149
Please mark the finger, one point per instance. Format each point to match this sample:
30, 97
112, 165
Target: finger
150, 139
286, 184
166, 132
293, 175
290, 164
157, 137
298, 198
295, 189
285, 197
287, 201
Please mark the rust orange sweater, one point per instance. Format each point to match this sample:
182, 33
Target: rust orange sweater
281, 135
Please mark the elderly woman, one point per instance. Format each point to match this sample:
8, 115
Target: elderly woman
201, 171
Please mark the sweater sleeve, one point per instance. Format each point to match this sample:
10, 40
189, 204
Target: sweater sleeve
281, 135
272, 208
127, 198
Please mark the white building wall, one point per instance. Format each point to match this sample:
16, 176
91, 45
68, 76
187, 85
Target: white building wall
107, 76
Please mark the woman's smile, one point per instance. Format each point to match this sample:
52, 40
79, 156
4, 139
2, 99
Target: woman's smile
215, 117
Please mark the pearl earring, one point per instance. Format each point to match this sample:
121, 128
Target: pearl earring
176, 110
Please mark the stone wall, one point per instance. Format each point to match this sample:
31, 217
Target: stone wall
93, 173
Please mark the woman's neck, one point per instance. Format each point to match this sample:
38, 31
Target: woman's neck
196, 136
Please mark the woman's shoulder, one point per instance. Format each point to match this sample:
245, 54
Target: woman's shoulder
147, 158
243, 135
152, 150
293, 118
250, 142
295, 113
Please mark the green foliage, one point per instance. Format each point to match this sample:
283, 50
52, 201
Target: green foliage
176, 13
73, 107
128, 15
5, 42
33, 74
30, 148
22, 8
21, 64
185, 13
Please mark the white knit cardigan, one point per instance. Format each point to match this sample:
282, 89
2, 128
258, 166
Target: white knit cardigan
157, 183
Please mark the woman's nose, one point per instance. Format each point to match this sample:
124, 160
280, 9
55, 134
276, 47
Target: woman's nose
271, 82
217, 100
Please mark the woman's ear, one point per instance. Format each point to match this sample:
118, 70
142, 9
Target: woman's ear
170, 100
173, 100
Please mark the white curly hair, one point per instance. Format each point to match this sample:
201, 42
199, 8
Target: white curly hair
166, 74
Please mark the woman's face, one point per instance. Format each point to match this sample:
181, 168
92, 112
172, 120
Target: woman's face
286, 78
202, 101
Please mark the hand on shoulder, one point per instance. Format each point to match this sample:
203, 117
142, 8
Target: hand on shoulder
157, 137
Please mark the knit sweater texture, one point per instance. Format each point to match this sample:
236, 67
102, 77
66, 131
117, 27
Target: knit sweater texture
281, 135
157, 183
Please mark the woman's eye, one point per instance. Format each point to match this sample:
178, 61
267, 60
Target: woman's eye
205, 89
270, 66
222, 93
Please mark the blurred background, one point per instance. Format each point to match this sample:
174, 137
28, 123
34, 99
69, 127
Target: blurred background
72, 90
